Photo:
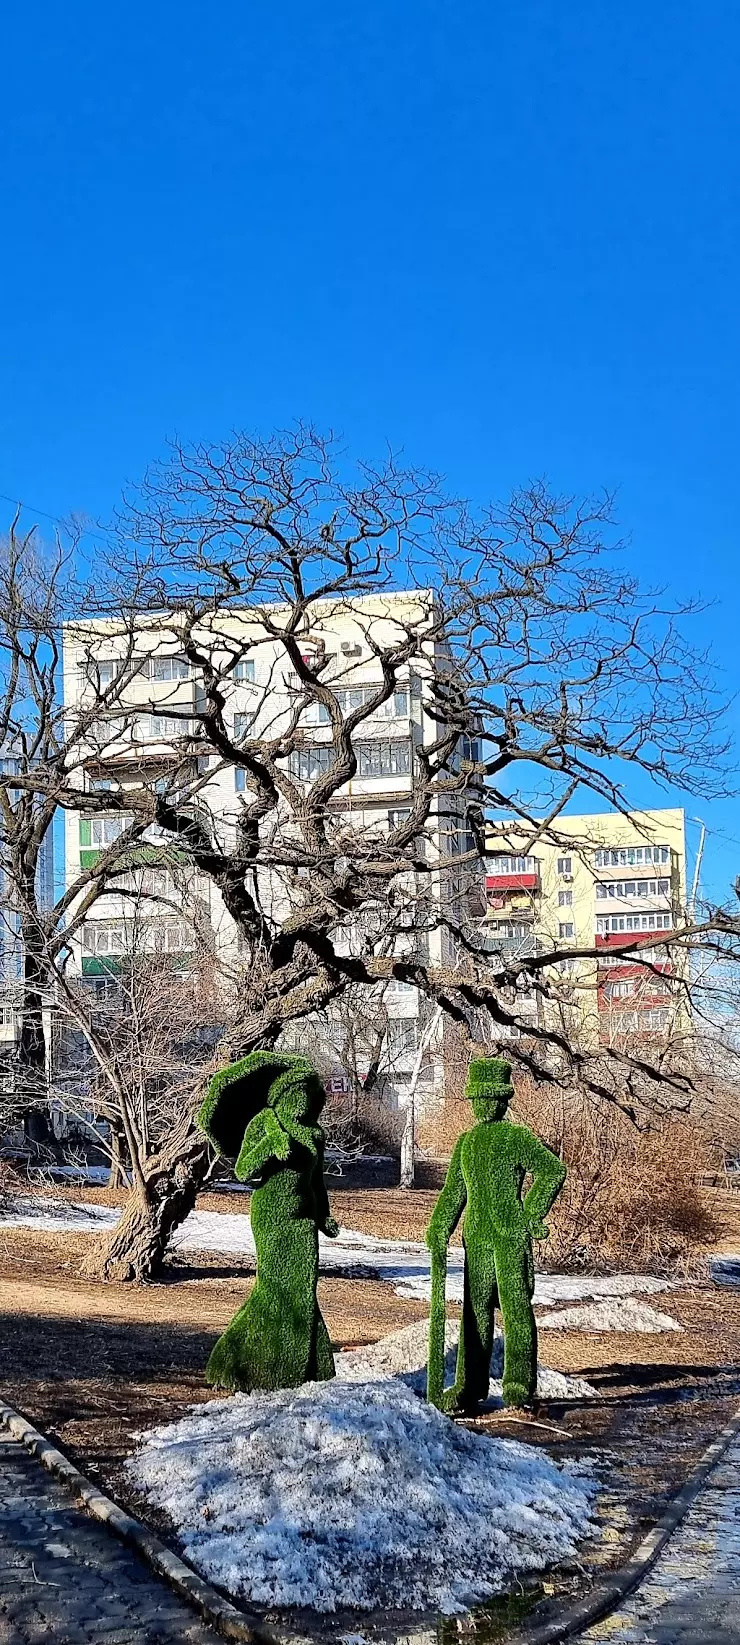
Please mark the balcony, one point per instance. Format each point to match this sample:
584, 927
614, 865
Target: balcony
629, 931
634, 859
507, 875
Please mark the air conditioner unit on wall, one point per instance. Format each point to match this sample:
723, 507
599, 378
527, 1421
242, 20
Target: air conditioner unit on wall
348, 649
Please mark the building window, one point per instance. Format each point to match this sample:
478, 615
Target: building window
399, 816
244, 671
625, 856
100, 938
383, 759
402, 1036
308, 763
633, 922
160, 936
103, 830
633, 888
653, 1021
164, 727
110, 730
166, 668
172, 936
565, 899
243, 724
566, 928
101, 672
240, 779
565, 865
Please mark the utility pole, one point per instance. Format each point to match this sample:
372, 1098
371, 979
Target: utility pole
691, 910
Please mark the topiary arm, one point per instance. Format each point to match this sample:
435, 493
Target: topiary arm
305, 1134
264, 1139
549, 1174
450, 1205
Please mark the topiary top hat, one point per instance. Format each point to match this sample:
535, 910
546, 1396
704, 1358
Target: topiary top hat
489, 1077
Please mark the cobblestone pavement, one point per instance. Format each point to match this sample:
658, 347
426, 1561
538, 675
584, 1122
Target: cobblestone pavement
692, 1594
65, 1580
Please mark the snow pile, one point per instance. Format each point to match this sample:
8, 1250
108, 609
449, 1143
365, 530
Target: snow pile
403, 1354
613, 1314
357, 1495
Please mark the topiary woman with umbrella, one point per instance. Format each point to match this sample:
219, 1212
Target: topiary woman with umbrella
263, 1112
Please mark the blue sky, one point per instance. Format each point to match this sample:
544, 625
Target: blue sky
502, 236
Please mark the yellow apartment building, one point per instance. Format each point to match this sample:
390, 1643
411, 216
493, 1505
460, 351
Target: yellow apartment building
598, 881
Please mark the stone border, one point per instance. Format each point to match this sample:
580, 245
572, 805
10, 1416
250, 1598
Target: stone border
216, 1610
610, 1591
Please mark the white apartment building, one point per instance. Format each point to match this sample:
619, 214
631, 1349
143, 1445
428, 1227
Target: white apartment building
153, 729
11, 943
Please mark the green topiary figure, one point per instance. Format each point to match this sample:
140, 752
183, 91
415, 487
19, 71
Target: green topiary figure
485, 1180
263, 1110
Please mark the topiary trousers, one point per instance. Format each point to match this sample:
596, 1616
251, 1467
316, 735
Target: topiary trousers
500, 1275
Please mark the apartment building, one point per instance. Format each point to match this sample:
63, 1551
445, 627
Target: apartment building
154, 729
608, 881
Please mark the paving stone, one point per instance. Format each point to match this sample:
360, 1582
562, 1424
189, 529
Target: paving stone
96, 1593
692, 1595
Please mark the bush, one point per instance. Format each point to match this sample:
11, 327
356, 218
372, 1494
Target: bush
371, 1128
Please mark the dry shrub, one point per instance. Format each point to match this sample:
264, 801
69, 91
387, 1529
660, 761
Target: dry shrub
11, 1185
438, 1130
368, 1128
632, 1199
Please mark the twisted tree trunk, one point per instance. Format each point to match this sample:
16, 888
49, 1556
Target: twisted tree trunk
136, 1249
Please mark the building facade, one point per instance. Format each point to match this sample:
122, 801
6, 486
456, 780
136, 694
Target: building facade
11, 941
610, 880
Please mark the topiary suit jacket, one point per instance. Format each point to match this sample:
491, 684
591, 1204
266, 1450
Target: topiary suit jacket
485, 1178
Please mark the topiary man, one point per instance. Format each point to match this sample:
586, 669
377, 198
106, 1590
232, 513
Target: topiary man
264, 1110
485, 1181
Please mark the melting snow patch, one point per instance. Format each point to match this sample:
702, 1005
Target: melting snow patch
613, 1314
56, 1216
402, 1264
403, 1354
357, 1495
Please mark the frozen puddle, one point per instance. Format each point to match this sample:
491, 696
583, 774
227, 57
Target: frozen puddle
357, 1495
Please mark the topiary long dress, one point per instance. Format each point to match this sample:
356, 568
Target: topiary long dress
278, 1336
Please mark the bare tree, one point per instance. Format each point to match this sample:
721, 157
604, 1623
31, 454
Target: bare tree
305, 599
135, 1054
44, 765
